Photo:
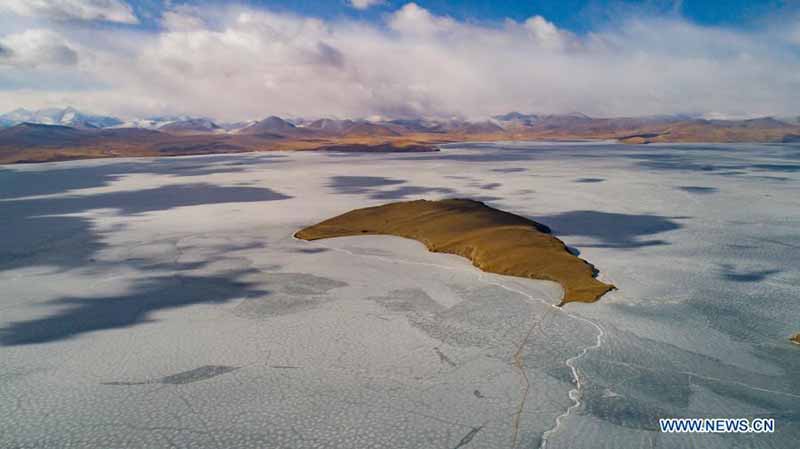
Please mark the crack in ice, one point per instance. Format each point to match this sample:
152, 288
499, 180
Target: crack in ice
574, 394
699, 376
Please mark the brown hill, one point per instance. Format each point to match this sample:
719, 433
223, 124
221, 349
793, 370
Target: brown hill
31, 134
43, 143
758, 130
364, 128
416, 126
350, 128
638, 130
495, 241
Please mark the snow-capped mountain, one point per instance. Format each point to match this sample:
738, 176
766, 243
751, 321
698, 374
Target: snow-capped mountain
270, 125
154, 122
181, 124
191, 126
236, 126
54, 116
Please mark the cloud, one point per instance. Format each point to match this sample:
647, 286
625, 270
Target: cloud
364, 4
412, 19
182, 18
794, 35
107, 10
234, 63
328, 55
546, 33
36, 48
5, 52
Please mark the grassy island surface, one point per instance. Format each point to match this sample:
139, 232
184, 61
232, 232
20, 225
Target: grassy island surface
495, 241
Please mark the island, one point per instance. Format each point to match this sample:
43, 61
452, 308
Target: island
495, 241
795, 339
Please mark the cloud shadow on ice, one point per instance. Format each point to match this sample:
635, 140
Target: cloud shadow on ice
406, 191
698, 189
312, 250
509, 170
17, 183
80, 315
611, 230
730, 273
660, 382
46, 231
372, 186
782, 168
185, 377
354, 185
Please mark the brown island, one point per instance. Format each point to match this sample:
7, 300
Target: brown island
495, 241
796, 339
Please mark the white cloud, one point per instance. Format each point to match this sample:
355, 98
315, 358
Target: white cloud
36, 48
413, 19
364, 4
546, 33
238, 63
108, 10
182, 17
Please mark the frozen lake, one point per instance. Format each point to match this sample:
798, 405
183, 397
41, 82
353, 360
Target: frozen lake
164, 303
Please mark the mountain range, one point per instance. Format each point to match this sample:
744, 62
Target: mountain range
53, 116
58, 134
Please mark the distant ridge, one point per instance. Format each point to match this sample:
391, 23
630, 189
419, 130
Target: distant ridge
191, 126
35, 134
90, 137
68, 116
333, 127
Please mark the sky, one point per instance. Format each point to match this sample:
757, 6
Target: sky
471, 59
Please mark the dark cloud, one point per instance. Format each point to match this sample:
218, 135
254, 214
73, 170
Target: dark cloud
36, 48
329, 55
5, 52
61, 55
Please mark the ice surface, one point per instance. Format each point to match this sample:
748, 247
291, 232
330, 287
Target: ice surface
164, 303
